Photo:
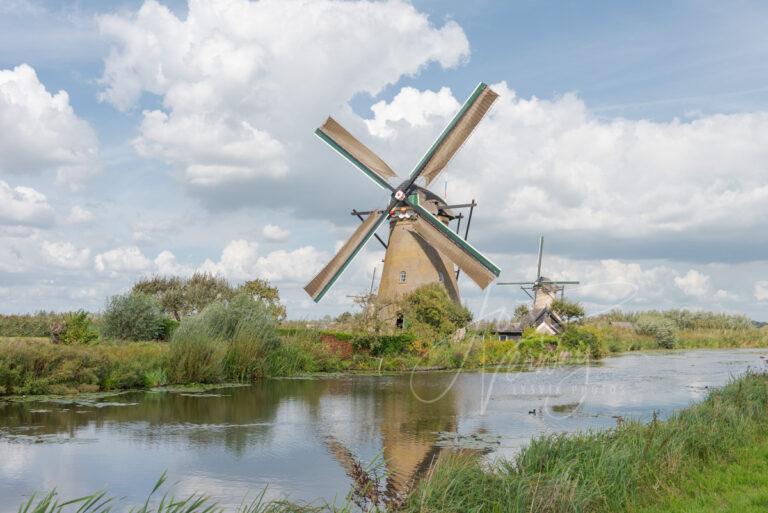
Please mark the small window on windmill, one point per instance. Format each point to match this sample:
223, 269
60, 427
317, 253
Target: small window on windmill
440, 276
402, 276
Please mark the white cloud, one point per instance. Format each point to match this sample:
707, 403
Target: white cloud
78, 215
166, 264
125, 259
240, 260
564, 168
724, 295
41, 131
761, 290
694, 284
242, 82
65, 255
23, 206
274, 233
413, 107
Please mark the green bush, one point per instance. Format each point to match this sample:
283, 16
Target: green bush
134, 316
78, 329
39, 367
583, 339
378, 345
429, 311
660, 328
227, 340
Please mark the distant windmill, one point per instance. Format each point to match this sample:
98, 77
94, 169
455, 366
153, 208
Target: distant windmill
542, 290
421, 247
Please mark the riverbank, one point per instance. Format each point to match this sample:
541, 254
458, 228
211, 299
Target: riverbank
657, 466
35, 366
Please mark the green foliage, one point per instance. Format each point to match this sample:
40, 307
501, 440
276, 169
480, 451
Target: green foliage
661, 329
134, 316
29, 325
227, 340
378, 345
39, 367
261, 290
78, 329
169, 292
583, 339
568, 310
684, 319
521, 311
180, 297
429, 309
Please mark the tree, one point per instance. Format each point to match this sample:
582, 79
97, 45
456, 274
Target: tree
261, 290
521, 311
181, 297
169, 292
568, 310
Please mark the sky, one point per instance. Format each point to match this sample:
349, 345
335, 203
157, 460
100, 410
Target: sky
168, 137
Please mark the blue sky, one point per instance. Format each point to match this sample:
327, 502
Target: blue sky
640, 125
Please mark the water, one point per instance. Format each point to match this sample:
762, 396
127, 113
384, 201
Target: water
294, 436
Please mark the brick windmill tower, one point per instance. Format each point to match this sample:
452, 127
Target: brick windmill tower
421, 247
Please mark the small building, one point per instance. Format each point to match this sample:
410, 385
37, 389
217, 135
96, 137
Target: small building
542, 320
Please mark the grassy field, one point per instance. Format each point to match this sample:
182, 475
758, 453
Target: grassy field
738, 486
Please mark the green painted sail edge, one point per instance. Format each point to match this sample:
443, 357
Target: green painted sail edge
351, 257
344, 153
431, 151
434, 221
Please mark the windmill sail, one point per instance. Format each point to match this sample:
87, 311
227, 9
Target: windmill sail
481, 270
356, 152
334, 269
454, 135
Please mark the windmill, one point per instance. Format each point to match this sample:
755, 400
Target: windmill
421, 247
542, 290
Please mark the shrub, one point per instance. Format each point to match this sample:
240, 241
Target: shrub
78, 329
378, 345
660, 328
134, 316
583, 339
195, 356
429, 310
227, 340
39, 367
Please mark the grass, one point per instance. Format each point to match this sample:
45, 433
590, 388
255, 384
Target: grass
740, 486
242, 346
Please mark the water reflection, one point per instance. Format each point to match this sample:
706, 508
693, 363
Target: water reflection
301, 436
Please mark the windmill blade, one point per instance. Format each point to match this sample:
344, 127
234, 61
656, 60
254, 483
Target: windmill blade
325, 279
516, 283
455, 133
551, 282
460, 252
356, 152
541, 251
